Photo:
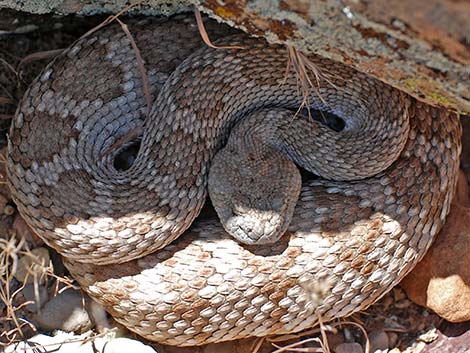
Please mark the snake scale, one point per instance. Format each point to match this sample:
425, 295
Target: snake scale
350, 240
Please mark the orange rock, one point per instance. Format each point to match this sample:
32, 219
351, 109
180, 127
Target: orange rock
462, 194
441, 281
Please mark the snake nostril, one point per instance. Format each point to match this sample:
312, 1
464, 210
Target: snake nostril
125, 158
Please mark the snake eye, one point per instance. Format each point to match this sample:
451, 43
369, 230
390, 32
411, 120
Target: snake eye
126, 156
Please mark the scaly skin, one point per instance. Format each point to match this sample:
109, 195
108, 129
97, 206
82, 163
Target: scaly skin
348, 243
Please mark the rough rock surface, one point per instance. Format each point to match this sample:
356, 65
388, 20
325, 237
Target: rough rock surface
420, 47
65, 312
349, 348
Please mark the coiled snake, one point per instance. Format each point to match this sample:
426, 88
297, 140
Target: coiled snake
354, 233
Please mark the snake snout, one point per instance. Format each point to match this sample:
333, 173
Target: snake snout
256, 227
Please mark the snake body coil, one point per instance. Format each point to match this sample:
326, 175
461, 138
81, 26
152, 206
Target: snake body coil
349, 241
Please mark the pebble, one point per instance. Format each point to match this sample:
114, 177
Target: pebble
32, 266
334, 339
65, 312
69, 343
127, 345
392, 339
62, 343
441, 280
349, 348
99, 316
38, 296
378, 341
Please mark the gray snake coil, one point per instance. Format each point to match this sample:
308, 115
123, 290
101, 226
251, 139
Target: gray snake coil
353, 235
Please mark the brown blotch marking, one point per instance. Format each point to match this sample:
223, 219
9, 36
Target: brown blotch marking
293, 252
78, 80
70, 181
170, 262
48, 135
188, 294
358, 262
206, 272
375, 224
277, 313
346, 255
200, 304
175, 285
284, 263
368, 287
190, 315
255, 261
269, 289
276, 276
276, 296
199, 322
180, 308
199, 282
365, 248
266, 268
286, 284
367, 269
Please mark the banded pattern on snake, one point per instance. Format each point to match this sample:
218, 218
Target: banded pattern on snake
349, 241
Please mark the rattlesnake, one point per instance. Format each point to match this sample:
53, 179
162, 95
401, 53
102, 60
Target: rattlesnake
347, 244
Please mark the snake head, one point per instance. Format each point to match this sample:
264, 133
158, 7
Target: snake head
254, 190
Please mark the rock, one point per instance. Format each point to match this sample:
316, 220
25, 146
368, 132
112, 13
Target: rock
126, 345
98, 316
65, 312
334, 339
62, 343
349, 348
404, 46
441, 281
462, 194
70, 343
429, 336
39, 297
392, 339
32, 265
378, 341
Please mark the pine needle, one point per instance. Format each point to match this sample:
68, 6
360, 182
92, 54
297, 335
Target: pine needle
205, 36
